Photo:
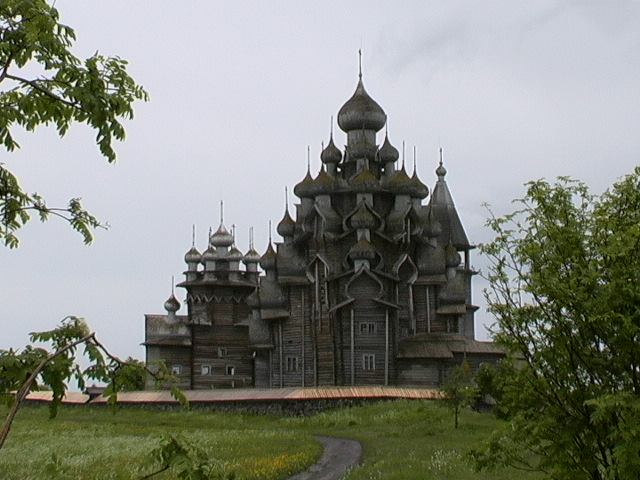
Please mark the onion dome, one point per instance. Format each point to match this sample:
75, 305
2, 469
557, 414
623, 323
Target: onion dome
222, 238
172, 305
365, 182
251, 256
418, 189
388, 153
432, 229
322, 184
363, 218
253, 300
192, 256
363, 250
331, 153
287, 226
361, 111
441, 171
268, 260
452, 257
302, 189
234, 254
400, 183
209, 255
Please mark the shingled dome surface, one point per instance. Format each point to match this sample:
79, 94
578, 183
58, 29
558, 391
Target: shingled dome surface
361, 112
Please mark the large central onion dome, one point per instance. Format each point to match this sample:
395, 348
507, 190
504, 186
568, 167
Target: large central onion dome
361, 112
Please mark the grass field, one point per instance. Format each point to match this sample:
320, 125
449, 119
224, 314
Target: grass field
401, 440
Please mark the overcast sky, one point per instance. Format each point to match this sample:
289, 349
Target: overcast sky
513, 91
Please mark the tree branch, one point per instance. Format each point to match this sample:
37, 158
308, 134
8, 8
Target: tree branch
26, 386
36, 86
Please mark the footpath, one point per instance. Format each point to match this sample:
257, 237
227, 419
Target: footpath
340, 454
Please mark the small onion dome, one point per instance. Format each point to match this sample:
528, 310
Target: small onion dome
222, 238
192, 256
363, 250
433, 229
253, 300
441, 171
172, 305
287, 226
388, 153
400, 183
418, 189
322, 184
251, 256
363, 218
234, 254
209, 254
268, 260
302, 189
365, 182
452, 257
361, 111
331, 153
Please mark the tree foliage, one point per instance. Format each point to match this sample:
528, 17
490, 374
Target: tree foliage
460, 390
186, 461
36, 368
565, 290
43, 83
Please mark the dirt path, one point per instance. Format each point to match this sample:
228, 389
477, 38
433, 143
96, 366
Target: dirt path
339, 455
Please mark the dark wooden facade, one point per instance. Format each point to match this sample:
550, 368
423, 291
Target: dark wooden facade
371, 284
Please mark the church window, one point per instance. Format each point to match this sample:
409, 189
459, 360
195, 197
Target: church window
206, 370
230, 370
222, 352
369, 361
176, 369
292, 364
367, 327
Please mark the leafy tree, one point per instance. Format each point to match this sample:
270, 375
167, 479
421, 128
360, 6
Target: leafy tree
565, 290
38, 368
460, 390
491, 380
63, 90
186, 461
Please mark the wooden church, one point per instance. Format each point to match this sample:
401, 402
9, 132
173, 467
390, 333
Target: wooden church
370, 285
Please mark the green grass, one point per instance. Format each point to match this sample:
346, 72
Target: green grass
401, 440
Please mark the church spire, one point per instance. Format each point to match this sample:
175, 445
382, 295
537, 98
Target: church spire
441, 171
361, 110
